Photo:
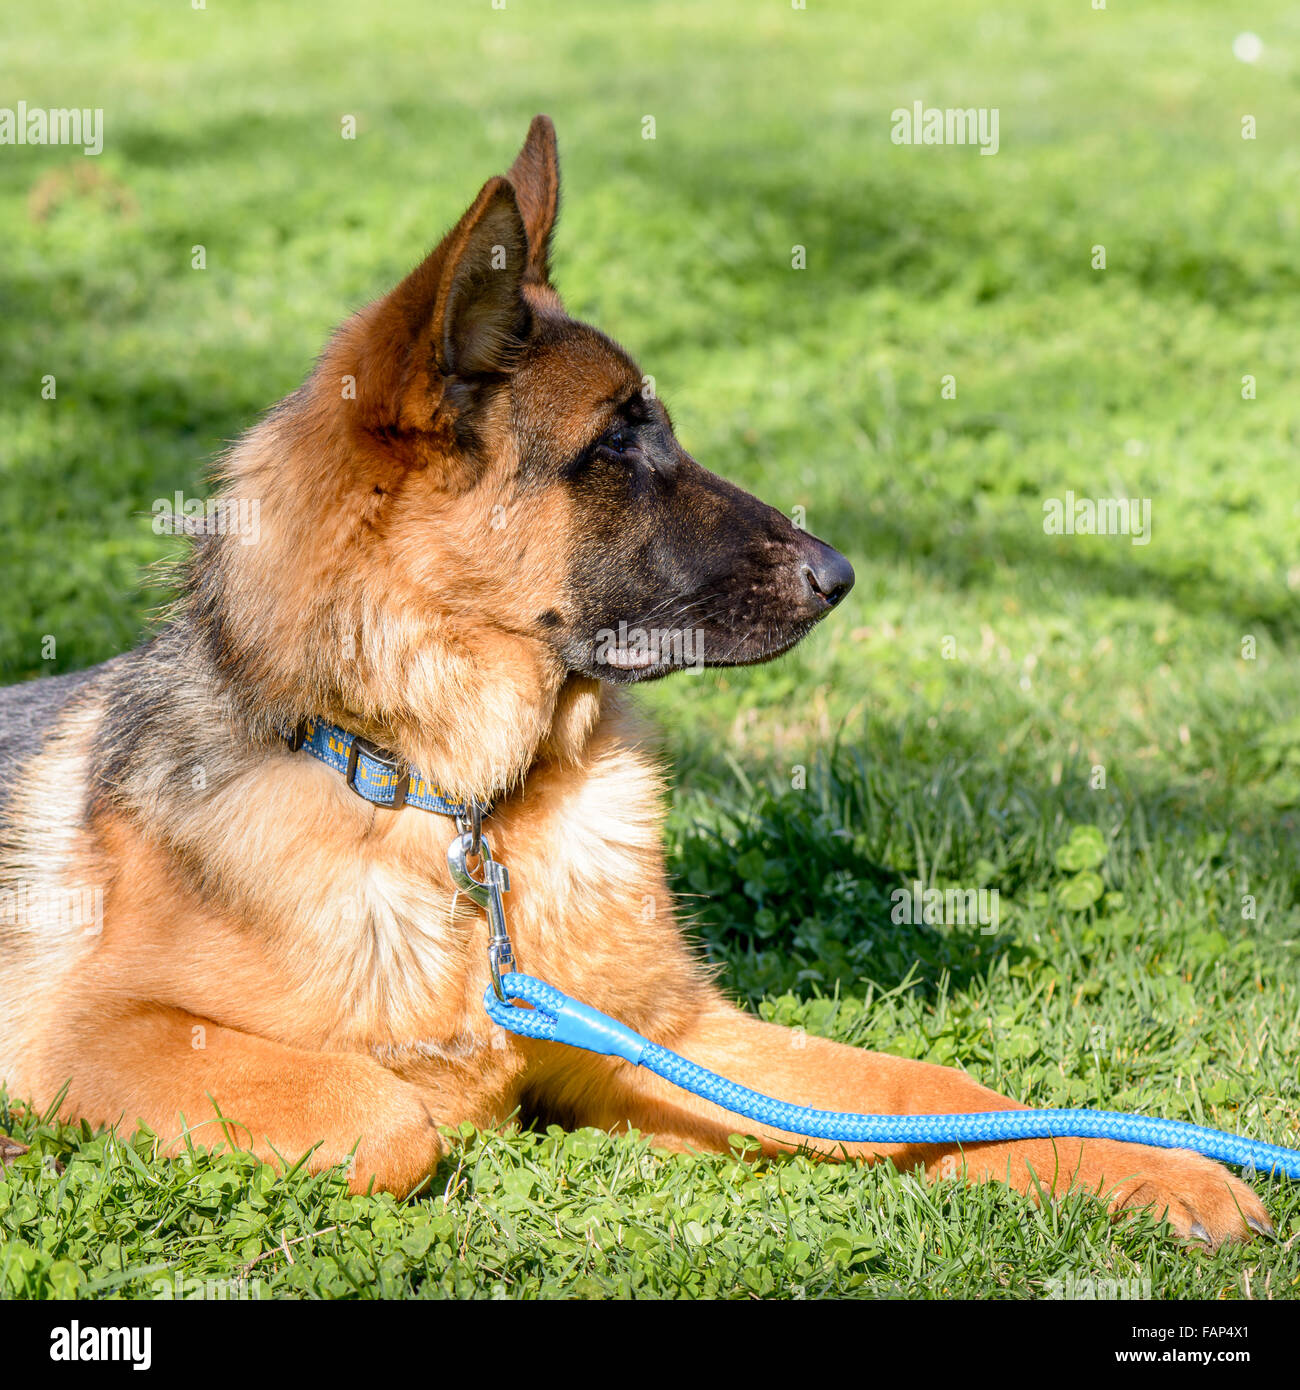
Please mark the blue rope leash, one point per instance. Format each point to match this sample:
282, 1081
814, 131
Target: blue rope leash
557, 1018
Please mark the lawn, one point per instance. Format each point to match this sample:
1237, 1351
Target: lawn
987, 694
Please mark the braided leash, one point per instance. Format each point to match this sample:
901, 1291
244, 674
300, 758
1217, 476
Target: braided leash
532, 1008
557, 1018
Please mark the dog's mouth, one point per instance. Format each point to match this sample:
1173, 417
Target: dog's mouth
757, 615
630, 653
624, 659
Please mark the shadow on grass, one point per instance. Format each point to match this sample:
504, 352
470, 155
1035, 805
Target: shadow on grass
814, 891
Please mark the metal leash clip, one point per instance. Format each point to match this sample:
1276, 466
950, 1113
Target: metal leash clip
472, 824
486, 892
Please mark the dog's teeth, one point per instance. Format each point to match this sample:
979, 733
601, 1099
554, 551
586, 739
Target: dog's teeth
629, 659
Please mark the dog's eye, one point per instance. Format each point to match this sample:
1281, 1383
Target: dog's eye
619, 440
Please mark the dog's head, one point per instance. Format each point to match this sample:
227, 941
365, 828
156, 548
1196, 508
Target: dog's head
470, 469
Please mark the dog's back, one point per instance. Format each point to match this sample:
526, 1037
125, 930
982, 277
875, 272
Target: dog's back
47, 919
27, 715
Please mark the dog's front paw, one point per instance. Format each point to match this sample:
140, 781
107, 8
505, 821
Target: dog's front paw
401, 1148
1198, 1197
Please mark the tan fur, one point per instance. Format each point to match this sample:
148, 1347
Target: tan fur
275, 947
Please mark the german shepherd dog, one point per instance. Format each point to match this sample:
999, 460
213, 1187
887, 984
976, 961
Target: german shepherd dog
468, 494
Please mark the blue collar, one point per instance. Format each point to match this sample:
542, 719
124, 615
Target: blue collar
375, 775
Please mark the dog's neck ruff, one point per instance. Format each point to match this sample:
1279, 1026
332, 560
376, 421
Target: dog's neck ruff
376, 775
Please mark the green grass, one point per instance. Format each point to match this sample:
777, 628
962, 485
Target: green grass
1123, 973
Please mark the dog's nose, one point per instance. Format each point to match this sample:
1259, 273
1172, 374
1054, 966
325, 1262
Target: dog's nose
827, 576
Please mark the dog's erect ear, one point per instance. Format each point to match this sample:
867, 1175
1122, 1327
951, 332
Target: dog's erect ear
458, 317
535, 176
479, 316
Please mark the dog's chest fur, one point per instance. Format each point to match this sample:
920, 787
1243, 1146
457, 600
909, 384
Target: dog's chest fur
321, 921
251, 889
